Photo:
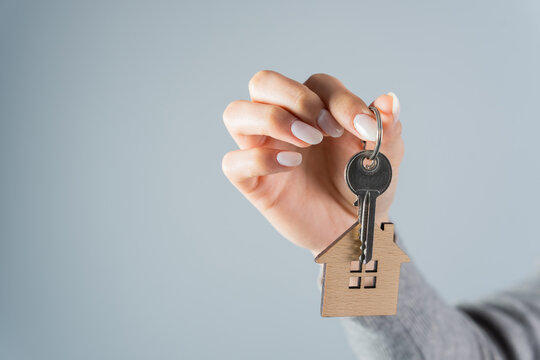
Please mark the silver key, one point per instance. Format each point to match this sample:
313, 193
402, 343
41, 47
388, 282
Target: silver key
367, 180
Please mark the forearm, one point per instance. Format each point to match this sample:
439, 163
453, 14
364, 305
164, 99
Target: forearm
425, 327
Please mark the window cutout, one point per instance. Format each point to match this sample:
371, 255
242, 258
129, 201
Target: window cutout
369, 282
356, 266
354, 282
371, 266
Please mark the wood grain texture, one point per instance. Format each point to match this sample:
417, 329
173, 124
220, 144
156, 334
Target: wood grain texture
340, 300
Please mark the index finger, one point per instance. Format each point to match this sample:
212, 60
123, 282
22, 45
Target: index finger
273, 88
346, 107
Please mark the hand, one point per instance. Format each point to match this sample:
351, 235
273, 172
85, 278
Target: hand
295, 141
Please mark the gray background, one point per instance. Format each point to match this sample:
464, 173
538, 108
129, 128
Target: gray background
119, 236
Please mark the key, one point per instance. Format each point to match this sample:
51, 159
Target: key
367, 181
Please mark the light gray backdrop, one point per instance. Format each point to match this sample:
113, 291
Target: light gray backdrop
121, 239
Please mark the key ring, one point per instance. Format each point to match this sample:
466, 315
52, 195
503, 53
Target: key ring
379, 133
375, 152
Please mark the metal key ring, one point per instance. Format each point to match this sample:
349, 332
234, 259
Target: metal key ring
379, 134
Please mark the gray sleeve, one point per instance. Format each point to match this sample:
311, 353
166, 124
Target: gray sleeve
425, 327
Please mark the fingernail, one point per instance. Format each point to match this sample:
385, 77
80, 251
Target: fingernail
366, 127
306, 132
395, 106
330, 126
289, 158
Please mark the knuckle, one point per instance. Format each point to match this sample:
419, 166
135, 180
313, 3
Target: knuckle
259, 160
347, 102
258, 155
225, 164
229, 111
305, 101
259, 77
318, 77
274, 118
252, 165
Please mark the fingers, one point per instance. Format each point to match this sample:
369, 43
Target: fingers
349, 110
249, 123
392, 143
270, 87
343, 104
244, 167
389, 109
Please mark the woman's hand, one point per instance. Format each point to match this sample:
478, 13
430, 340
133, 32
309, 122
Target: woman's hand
295, 141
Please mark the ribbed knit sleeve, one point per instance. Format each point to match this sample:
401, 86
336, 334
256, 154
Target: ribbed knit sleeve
505, 326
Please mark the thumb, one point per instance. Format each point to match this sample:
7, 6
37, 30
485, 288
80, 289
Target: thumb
389, 107
392, 143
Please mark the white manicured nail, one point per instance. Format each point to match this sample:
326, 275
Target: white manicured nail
306, 132
366, 127
395, 106
289, 158
329, 124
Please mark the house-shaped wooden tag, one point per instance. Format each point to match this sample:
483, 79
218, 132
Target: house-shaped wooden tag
354, 289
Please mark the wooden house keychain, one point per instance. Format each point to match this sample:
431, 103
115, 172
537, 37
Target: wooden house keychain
361, 267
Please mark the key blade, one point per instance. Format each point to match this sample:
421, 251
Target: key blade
370, 228
366, 219
364, 230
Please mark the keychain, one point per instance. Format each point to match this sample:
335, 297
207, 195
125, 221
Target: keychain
361, 267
